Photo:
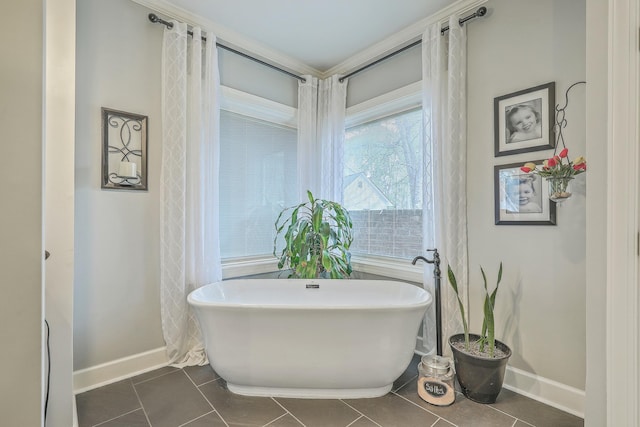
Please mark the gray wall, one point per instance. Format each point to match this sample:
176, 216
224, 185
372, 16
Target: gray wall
116, 310
21, 248
398, 71
542, 303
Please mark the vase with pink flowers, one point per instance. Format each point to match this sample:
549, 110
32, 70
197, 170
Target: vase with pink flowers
558, 170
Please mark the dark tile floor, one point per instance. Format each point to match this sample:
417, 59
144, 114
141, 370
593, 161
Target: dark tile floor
197, 397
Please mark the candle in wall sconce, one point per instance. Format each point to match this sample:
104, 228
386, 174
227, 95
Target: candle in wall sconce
124, 150
127, 170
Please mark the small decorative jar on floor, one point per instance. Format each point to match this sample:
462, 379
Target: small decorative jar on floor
435, 381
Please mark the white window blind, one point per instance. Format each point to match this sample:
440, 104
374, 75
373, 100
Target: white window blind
257, 180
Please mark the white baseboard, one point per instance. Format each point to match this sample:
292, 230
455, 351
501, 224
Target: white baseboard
549, 392
116, 370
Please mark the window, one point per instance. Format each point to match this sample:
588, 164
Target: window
383, 185
258, 179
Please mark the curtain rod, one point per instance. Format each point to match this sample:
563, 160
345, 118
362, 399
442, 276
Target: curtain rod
156, 20
480, 12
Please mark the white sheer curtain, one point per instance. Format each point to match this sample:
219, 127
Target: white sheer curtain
445, 220
332, 99
308, 151
321, 121
189, 193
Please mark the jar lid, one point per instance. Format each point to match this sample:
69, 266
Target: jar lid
435, 364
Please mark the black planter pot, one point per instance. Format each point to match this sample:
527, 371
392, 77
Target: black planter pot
480, 378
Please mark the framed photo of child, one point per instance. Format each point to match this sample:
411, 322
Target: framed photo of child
523, 120
522, 198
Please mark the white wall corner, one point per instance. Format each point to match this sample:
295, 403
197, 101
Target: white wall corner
401, 38
549, 392
228, 36
119, 369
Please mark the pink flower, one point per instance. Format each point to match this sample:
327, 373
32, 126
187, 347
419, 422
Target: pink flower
551, 162
564, 153
581, 166
525, 169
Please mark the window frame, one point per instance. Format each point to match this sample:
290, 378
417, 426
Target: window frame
403, 99
246, 104
397, 101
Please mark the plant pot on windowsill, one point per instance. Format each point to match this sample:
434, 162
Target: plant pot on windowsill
480, 376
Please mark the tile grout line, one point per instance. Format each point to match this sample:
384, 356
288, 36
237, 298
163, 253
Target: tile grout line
424, 409
287, 412
404, 384
206, 382
516, 419
205, 398
153, 378
115, 418
140, 402
276, 419
446, 421
522, 421
354, 421
360, 412
197, 418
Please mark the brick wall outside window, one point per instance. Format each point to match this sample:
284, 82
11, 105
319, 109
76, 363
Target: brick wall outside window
374, 232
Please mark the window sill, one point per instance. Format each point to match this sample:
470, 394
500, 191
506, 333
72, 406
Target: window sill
248, 266
394, 268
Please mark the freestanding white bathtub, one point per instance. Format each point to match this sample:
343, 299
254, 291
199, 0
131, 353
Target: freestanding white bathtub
310, 338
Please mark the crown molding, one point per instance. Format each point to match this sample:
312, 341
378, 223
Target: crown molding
401, 38
231, 37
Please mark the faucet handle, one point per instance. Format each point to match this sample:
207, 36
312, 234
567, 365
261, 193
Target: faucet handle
436, 260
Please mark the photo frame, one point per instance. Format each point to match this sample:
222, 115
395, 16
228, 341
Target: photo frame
524, 120
124, 150
521, 198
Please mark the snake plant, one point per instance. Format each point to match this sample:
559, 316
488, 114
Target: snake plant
487, 336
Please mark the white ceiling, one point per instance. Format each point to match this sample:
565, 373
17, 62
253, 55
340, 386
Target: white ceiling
320, 34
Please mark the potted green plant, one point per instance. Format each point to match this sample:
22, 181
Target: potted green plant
480, 360
317, 236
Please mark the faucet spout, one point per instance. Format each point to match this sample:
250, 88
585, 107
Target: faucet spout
420, 257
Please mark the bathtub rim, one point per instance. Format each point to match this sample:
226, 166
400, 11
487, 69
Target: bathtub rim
426, 298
